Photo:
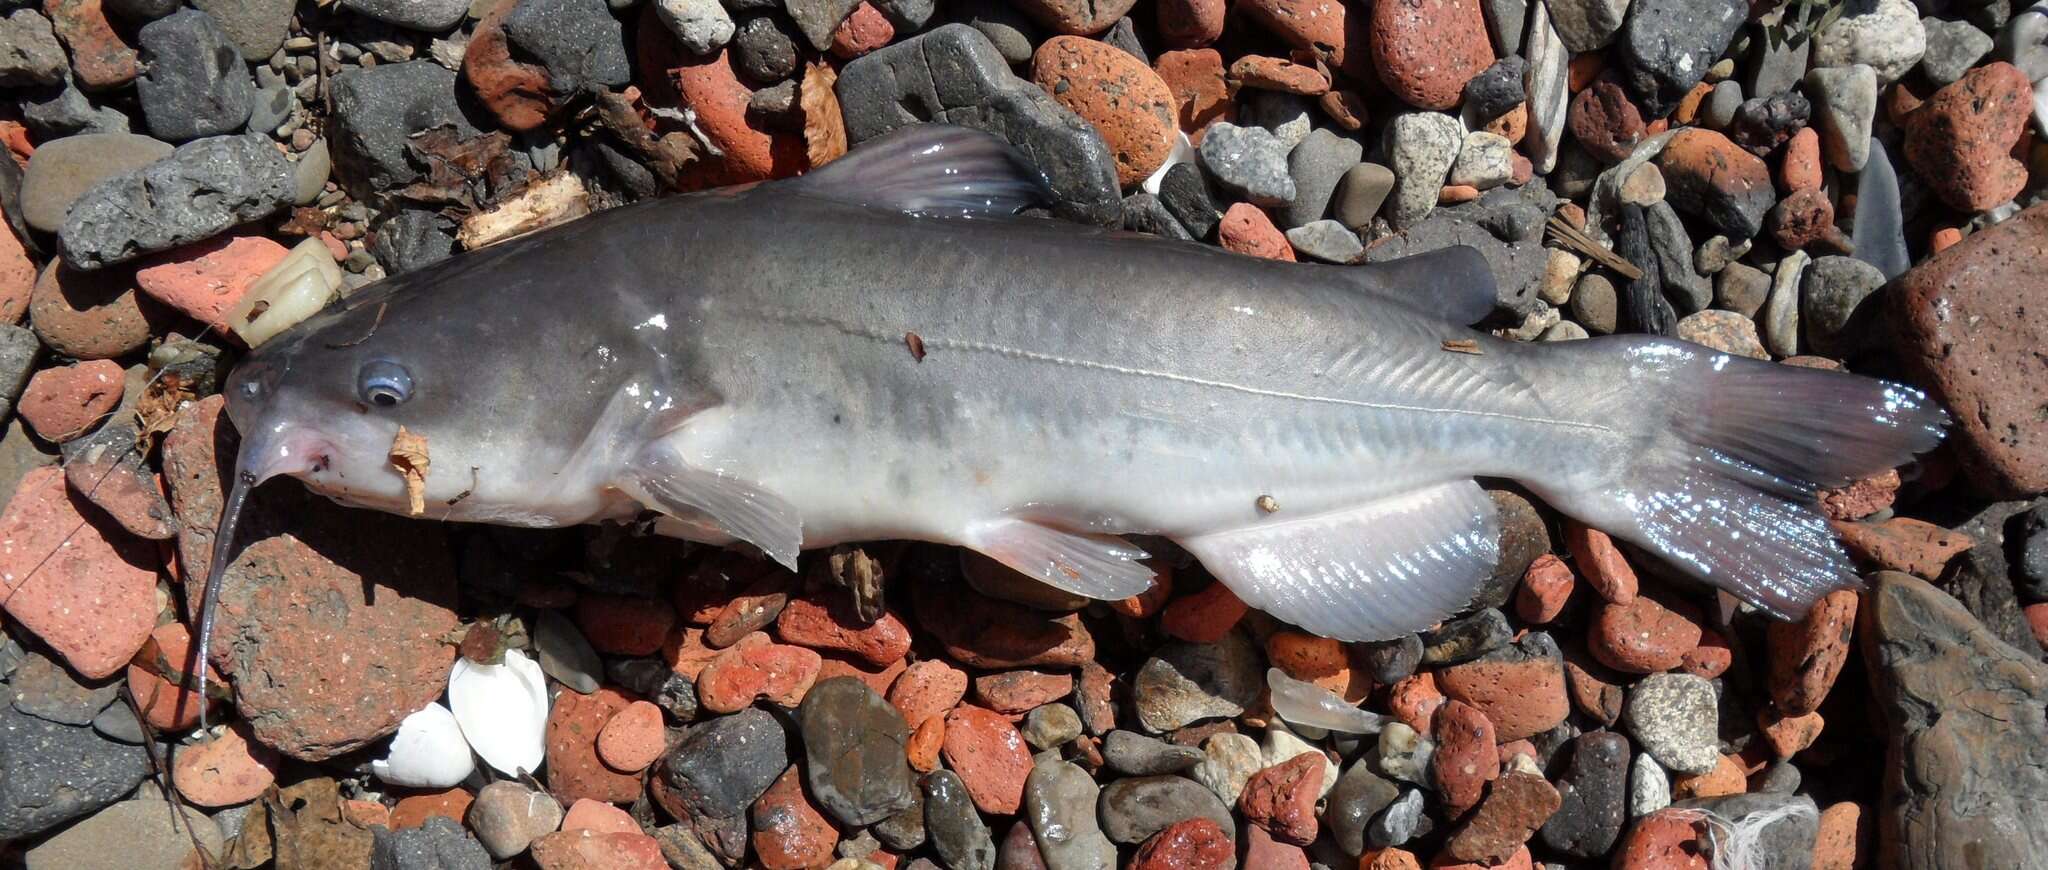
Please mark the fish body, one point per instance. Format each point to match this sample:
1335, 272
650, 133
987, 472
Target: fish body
878, 351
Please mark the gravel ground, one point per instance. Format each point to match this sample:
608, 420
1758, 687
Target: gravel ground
1852, 187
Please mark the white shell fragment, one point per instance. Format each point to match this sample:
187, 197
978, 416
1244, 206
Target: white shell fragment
1183, 152
1309, 704
293, 290
428, 752
503, 711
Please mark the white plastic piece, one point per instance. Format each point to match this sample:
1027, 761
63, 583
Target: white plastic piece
1309, 704
293, 290
503, 711
428, 752
2041, 106
1737, 844
1183, 152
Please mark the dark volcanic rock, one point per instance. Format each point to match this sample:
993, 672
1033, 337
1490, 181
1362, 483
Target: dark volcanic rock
724, 764
1966, 773
204, 187
1595, 792
52, 773
193, 82
853, 745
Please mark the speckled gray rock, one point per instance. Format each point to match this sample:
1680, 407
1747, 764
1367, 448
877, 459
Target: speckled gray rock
19, 349
1496, 90
62, 110
1548, 83
256, 27
29, 51
47, 690
952, 826
202, 188
1689, 291
1248, 161
1184, 683
438, 844
701, 26
1587, 25
1360, 194
1498, 226
377, 111
1649, 786
1484, 162
1594, 792
1358, 797
1185, 192
1421, 147
903, 831
1228, 761
1050, 725
1844, 104
51, 773
954, 75
853, 749
909, 16
1837, 304
1667, 45
426, 16
1012, 32
411, 239
1675, 717
1784, 843
1144, 213
1287, 116
1402, 821
1134, 754
1060, 804
1952, 48
1328, 241
1317, 165
763, 50
723, 764
1135, 808
578, 42
1886, 34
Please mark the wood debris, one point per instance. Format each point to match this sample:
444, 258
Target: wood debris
1576, 239
551, 200
1463, 345
824, 126
915, 344
409, 456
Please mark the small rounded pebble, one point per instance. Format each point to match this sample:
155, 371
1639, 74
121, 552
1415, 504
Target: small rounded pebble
633, 738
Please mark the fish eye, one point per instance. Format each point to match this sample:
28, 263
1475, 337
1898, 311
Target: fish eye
383, 383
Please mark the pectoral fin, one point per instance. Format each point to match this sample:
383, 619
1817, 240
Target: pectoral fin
1373, 572
1098, 566
664, 482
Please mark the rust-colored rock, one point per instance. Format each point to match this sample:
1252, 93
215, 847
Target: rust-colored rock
1605, 121
990, 757
156, 677
77, 581
1644, 636
983, 632
1247, 230
224, 771
1601, 563
1520, 689
413, 811
1324, 27
1806, 656
1545, 588
574, 769
1961, 139
1076, 17
757, 667
790, 833
1020, 691
1282, 798
624, 625
1519, 802
92, 315
827, 622
1467, 755
1189, 844
1917, 547
62, 403
1278, 74
1117, 94
514, 90
1668, 839
1190, 23
101, 59
1426, 50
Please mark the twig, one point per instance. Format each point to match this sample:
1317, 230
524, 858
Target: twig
1576, 239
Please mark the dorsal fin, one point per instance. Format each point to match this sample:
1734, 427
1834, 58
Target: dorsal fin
937, 170
1453, 283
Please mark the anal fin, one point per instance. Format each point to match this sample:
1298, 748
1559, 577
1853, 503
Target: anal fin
664, 482
1373, 572
1104, 567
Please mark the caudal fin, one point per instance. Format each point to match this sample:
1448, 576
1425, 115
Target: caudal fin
1724, 486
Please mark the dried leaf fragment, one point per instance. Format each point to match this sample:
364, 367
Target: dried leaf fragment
1463, 345
824, 126
409, 456
915, 344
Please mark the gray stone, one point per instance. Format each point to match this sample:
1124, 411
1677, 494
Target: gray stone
1548, 83
1741, 288
272, 102
564, 652
1144, 213
1879, 224
310, 174
1466, 638
1360, 193
1401, 822
1248, 161
1012, 32
1228, 761
1717, 253
1844, 104
954, 75
1689, 291
1587, 25
1359, 796
578, 42
256, 27
377, 111
1404, 754
2030, 570
142, 10
1649, 786
1495, 91
411, 239
2023, 41
1952, 48
1124, 35
202, 188
47, 690
1781, 777
1328, 241
1779, 322
139, 834
1135, 808
52, 773
1675, 718
193, 82
1982, 580
438, 844
426, 16
1050, 725
1185, 192
1594, 304
654, 680
701, 26
903, 831
1421, 146
29, 51
1594, 793
1721, 106
1667, 45
952, 827
1484, 162
1838, 305
908, 16
1517, 265
1391, 661
1187, 682
853, 751
19, 349
1886, 34
63, 110
1506, 21
1317, 165
818, 18
1774, 67
1785, 842
1287, 116
763, 50
1134, 754
507, 816
723, 764
1060, 803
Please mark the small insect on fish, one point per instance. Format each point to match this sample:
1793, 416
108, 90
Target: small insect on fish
735, 361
